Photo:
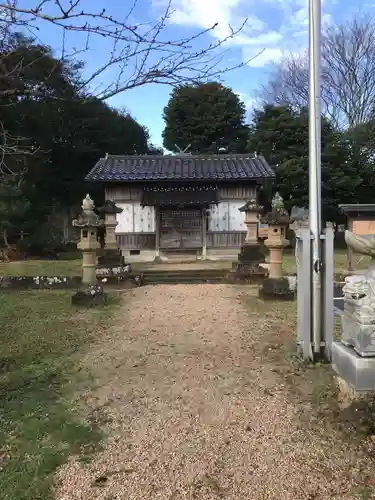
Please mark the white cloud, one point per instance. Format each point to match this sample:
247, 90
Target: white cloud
251, 103
263, 39
248, 101
205, 14
257, 36
266, 56
300, 18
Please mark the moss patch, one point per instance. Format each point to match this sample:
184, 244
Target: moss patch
41, 341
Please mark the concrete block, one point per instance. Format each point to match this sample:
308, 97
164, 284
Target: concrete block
357, 371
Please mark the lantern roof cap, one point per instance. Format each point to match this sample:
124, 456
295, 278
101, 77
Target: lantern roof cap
88, 218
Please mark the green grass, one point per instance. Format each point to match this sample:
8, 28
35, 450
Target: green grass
41, 341
41, 268
48, 268
341, 264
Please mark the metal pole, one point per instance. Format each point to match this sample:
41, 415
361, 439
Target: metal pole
315, 167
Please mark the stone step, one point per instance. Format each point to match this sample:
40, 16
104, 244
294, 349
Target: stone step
185, 272
182, 280
180, 257
185, 276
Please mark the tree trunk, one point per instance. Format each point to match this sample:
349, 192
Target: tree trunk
5, 238
4, 252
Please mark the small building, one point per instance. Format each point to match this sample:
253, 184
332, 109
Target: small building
185, 205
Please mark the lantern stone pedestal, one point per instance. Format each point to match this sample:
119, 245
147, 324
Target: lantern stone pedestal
111, 255
249, 268
276, 286
89, 222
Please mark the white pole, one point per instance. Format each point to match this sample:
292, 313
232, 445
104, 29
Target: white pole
315, 166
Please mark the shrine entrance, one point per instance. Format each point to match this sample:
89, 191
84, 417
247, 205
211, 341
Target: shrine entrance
181, 229
181, 216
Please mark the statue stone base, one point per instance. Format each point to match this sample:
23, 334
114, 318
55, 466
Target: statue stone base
356, 370
358, 318
358, 335
353, 358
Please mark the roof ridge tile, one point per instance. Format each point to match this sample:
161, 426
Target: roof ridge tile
132, 168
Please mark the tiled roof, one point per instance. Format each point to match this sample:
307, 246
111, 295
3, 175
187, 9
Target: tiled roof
180, 168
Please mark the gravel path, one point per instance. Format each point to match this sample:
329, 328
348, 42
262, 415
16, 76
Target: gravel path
193, 408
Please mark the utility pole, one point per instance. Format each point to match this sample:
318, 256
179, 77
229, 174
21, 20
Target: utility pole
315, 215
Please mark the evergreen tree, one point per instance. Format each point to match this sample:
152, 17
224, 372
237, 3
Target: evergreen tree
59, 134
281, 135
208, 117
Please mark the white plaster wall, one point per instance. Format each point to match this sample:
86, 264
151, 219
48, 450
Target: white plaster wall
218, 217
226, 217
125, 218
135, 219
236, 218
144, 219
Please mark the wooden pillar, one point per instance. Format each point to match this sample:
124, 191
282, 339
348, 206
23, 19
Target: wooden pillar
157, 232
204, 233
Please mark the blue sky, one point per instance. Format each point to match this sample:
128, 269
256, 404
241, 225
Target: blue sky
274, 27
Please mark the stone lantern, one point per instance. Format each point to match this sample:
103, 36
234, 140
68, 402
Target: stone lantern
276, 286
278, 221
111, 256
248, 267
252, 211
89, 223
250, 251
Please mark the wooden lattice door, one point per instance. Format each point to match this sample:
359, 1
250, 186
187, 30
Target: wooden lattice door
180, 229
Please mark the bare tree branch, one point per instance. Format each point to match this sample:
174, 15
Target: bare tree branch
16, 148
139, 54
348, 74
